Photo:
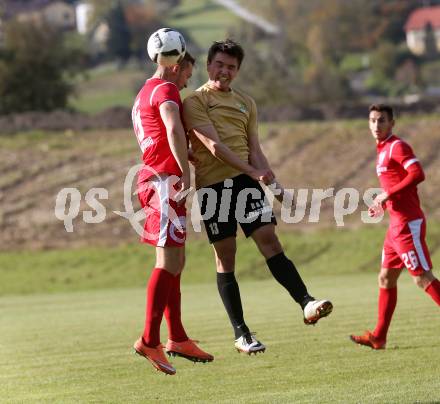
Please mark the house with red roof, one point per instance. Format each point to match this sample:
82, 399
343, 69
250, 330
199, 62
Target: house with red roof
419, 23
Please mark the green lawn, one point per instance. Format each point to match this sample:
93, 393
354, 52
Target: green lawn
76, 348
108, 87
205, 20
68, 319
316, 252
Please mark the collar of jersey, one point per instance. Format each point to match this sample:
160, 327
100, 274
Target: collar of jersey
380, 144
226, 93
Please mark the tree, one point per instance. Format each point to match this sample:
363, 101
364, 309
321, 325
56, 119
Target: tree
315, 37
34, 69
300, 64
430, 43
119, 39
142, 21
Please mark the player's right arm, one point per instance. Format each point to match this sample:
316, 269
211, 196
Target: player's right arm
210, 139
169, 112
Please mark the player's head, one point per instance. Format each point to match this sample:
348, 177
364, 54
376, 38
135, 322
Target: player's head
224, 61
381, 121
179, 73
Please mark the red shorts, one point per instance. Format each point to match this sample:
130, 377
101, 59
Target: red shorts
405, 246
165, 223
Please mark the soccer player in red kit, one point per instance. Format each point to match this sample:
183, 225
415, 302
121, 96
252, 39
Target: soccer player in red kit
163, 178
399, 172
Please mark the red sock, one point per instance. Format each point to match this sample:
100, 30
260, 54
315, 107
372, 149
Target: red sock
386, 306
172, 313
158, 290
433, 290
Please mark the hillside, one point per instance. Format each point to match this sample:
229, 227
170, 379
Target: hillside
36, 166
202, 21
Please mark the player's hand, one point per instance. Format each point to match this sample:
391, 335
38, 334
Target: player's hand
376, 209
373, 211
279, 192
183, 186
266, 176
380, 200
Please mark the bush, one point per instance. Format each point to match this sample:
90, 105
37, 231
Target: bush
34, 69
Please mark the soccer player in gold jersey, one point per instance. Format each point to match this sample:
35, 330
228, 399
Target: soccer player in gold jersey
222, 122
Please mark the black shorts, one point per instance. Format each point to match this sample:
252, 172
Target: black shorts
234, 200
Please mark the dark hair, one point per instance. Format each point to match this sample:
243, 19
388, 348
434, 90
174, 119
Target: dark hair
229, 47
186, 60
383, 108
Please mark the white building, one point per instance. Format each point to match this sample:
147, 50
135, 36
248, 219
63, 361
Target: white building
416, 28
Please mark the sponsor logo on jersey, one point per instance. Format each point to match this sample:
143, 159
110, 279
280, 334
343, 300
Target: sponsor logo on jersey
380, 170
146, 143
242, 107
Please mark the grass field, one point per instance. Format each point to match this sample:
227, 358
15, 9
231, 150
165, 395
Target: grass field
205, 20
76, 347
318, 252
107, 86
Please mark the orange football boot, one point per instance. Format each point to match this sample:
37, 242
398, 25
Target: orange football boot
188, 350
368, 339
155, 355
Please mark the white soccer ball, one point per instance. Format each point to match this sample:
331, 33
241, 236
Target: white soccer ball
166, 47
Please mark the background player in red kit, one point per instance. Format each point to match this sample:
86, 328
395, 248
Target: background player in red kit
158, 126
399, 172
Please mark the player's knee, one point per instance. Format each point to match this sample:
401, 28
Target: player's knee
182, 263
225, 259
225, 263
274, 244
381, 280
419, 281
385, 281
423, 280
269, 244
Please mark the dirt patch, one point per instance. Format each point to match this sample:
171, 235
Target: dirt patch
36, 167
111, 118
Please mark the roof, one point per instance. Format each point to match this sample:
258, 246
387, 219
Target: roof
421, 17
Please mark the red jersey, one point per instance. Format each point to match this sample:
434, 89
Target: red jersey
394, 156
150, 130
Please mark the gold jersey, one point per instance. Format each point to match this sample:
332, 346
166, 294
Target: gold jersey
233, 115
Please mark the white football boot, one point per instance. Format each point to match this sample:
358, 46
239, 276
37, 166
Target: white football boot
247, 343
317, 309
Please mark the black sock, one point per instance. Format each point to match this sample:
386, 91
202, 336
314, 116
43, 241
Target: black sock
230, 294
285, 272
